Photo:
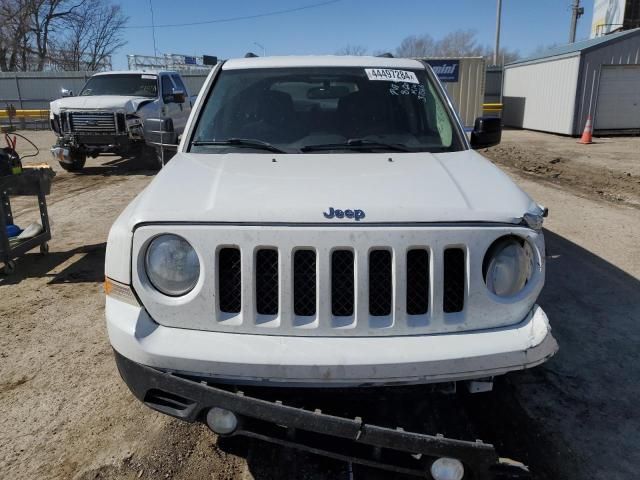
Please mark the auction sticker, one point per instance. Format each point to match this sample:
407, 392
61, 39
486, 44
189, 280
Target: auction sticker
389, 75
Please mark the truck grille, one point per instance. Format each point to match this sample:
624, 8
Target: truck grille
322, 281
92, 122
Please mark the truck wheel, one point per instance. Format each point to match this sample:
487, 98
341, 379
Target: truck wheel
9, 267
77, 162
168, 155
152, 157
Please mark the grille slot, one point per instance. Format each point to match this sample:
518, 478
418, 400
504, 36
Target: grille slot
342, 283
267, 282
229, 280
454, 272
417, 282
101, 122
380, 282
304, 282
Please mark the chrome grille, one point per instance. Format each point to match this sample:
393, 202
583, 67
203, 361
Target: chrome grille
92, 122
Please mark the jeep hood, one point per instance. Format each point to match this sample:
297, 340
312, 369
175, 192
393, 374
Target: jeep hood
273, 188
100, 102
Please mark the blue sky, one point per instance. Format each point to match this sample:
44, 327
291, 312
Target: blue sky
378, 25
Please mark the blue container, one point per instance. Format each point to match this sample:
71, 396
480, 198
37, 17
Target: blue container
13, 231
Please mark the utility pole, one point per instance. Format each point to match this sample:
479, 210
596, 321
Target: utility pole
576, 12
496, 51
153, 29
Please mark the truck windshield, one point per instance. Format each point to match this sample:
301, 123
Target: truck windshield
320, 109
126, 85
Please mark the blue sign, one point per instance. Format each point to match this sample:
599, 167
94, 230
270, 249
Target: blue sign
446, 70
190, 60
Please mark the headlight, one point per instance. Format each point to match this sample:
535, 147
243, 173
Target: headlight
508, 266
172, 265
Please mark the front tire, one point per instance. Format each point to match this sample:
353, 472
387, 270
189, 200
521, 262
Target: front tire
77, 161
153, 159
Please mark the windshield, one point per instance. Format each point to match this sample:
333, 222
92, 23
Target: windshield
126, 84
322, 109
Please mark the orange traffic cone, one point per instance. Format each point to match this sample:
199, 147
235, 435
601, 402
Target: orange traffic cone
587, 133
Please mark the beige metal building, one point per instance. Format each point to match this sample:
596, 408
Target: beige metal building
558, 90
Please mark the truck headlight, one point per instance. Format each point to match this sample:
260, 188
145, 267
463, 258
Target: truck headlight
172, 265
508, 265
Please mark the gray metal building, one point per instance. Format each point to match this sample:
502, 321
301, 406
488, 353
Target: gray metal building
556, 91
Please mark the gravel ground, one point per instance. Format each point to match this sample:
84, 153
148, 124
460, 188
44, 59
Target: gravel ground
66, 413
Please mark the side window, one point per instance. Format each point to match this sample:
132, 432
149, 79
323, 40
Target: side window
167, 88
443, 122
179, 85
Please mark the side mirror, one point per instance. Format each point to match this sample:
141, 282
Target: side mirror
178, 96
487, 132
159, 132
66, 93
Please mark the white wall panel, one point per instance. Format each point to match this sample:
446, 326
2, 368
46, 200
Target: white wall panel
541, 96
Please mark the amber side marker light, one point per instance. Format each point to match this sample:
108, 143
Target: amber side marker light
119, 291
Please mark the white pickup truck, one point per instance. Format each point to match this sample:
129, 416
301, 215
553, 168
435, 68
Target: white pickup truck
110, 112
326, 223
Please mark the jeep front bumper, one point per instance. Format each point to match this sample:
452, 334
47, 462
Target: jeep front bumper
341, 438
329, 361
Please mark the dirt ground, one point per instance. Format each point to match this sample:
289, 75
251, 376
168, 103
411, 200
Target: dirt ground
67, 414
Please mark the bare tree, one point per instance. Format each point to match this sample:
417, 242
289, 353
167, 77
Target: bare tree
46, 17
349, 49
62, 34
94, 33
416, 46
14, 35
504, 56
460, 43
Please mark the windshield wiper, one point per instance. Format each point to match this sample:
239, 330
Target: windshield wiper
357, 143
240, 142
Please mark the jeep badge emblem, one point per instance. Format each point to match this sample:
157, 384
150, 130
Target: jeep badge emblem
357, 215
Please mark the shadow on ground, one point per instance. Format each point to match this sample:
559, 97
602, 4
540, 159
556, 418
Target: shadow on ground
129, 165
84, 264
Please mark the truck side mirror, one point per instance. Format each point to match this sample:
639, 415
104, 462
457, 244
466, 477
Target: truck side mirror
66, 93
487, 132
178, 95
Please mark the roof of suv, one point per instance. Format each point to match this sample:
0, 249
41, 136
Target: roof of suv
320, 61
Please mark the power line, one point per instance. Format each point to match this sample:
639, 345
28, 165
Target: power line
235, 19
153, 29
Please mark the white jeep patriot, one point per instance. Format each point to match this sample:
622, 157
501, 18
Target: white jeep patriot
326, 223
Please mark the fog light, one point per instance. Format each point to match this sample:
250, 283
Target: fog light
447, 469
222, 421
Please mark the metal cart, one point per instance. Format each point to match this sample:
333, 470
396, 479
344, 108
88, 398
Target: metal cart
32, 182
